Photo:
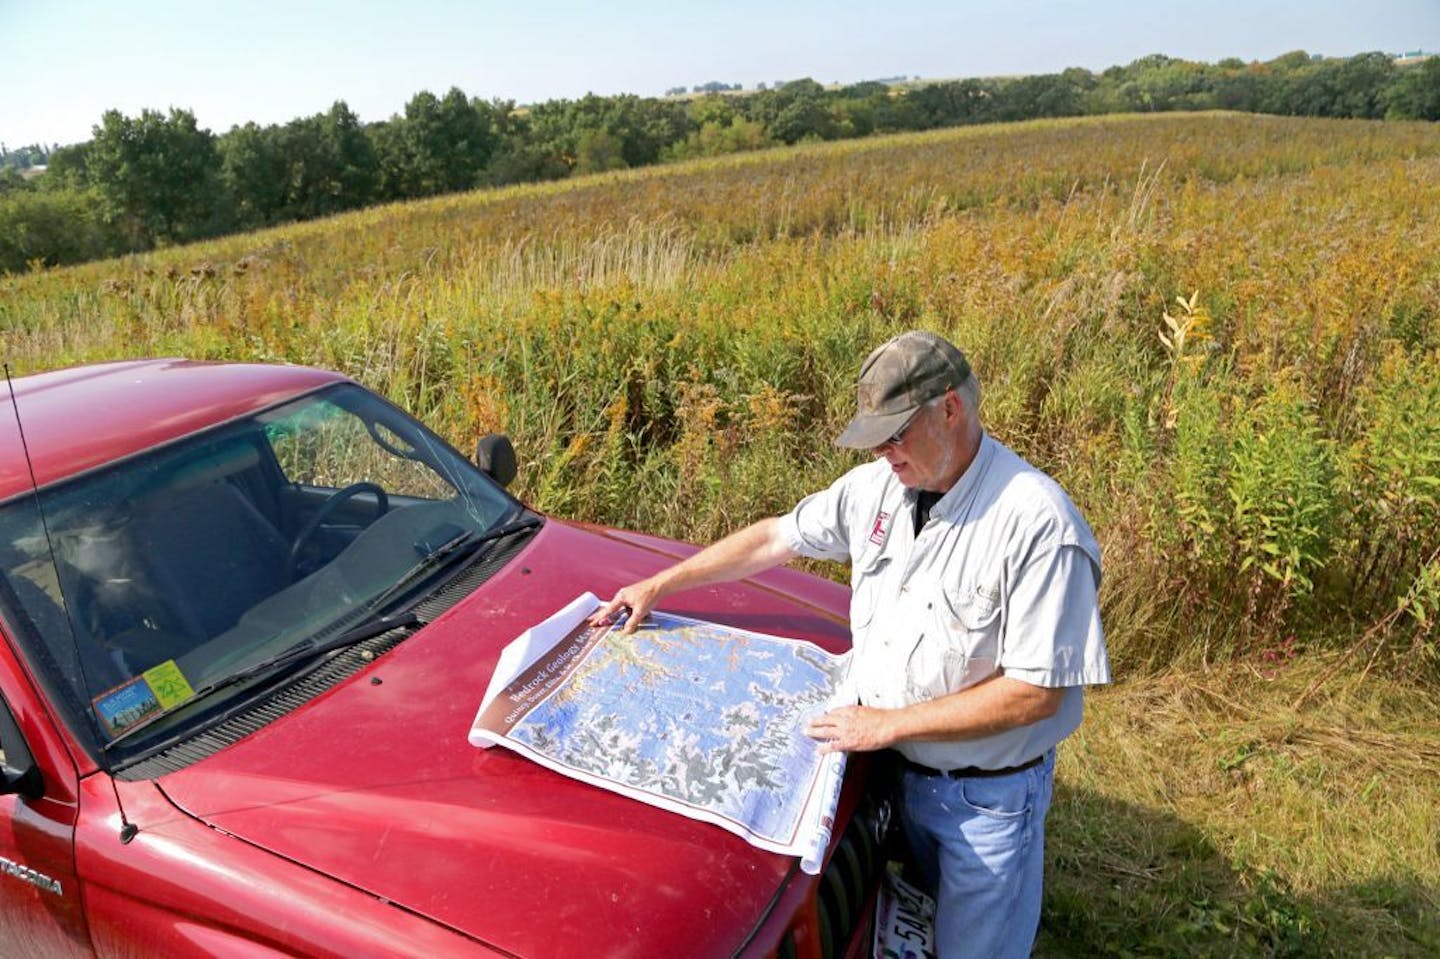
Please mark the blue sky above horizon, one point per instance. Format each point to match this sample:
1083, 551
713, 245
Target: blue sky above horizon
63, 63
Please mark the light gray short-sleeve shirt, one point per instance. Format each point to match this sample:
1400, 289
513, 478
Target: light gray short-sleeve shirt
1004, 578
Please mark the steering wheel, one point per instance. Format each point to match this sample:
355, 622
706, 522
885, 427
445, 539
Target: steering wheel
382, 506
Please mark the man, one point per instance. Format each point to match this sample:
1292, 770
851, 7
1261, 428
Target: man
975, 620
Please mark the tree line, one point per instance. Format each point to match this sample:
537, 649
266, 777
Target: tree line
160, 179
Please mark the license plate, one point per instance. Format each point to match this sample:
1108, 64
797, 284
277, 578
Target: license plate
904, 919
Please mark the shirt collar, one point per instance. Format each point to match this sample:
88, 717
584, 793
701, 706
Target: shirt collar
949, 505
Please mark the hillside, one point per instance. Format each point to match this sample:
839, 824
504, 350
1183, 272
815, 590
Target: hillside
1221, 332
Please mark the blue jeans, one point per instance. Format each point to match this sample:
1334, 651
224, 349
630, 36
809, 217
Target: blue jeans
980, 846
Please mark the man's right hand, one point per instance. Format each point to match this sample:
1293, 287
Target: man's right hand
639, 598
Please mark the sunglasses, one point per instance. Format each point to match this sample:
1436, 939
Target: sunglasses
898, 437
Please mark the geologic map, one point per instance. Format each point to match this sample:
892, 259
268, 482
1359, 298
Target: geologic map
697, 718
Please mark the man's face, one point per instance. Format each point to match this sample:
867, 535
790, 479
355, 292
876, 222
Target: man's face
925, 454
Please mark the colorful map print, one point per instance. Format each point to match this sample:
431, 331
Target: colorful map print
705, 716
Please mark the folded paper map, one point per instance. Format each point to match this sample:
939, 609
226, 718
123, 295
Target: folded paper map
701, 719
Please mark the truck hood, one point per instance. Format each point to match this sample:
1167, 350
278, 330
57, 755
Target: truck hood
375, 784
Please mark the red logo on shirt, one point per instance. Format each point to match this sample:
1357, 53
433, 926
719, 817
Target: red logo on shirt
880, 528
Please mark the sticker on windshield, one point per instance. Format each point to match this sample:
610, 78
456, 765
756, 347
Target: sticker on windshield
168, 684
149, 694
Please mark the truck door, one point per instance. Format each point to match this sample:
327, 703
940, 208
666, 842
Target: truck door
40, 911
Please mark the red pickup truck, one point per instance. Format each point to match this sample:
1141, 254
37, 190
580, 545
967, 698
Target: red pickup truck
248, 615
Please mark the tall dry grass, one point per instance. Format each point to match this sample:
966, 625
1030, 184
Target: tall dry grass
672, 348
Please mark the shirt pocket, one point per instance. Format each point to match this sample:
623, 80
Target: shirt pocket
961, 645
974, 606
866, 578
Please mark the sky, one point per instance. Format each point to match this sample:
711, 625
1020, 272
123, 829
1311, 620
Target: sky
63, 63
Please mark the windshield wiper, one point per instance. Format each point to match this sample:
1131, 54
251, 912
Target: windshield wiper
464, 544
309, 649
318, 647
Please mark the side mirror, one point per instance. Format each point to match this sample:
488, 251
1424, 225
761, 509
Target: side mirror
18, 770
495, 455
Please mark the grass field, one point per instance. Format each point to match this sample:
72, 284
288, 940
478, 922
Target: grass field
1203, 814
1220, 332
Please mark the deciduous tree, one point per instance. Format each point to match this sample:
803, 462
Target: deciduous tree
1416, 94
157, 176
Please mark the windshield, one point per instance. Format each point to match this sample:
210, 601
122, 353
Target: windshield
177, 569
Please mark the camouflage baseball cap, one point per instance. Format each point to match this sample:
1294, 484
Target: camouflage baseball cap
895, 380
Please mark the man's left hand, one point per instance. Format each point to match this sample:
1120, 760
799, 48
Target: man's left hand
853, 729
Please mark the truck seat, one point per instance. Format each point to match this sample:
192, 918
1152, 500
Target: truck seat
210, 555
